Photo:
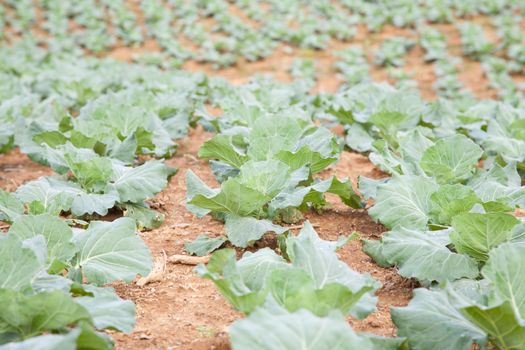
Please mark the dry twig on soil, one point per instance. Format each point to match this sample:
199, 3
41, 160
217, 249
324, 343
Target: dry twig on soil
156, 274
188, 260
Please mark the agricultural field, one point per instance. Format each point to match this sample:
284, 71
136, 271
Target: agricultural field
277, 174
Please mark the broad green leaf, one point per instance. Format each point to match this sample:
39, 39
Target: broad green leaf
358, 138
126, 150
89, 339
44, 282
267, 177
234, 198
320, 261
389, 122
294, 289
18, 265
404, 201
284, 330
374, 249
451, 200
314, 195
476, 234
342, 188
256, 267
145, 217
242, 231
108, 310
10, 207
222, 171
194, 187
54, 199
305, 157
58, 236
243, 283
29, 315
385, 343
204, 245
501, 323
425, 256
51, 138
430, 321
58, 194
504, 269
221, 147
414, 143
386, 159
110, 251
91, 174
141, 182
368, 187
46, 342
272, 134
89, 203
319, 140
451, 160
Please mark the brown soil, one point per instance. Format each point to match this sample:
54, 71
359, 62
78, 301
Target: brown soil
183, 311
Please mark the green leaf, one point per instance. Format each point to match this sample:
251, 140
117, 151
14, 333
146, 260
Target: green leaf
80, 140
10, 207
194, 187
91, 174
18, 264
368, 187
46, 342
89, 203
305, 157
242, 231
451, 200
126, 150
504, 269
501, 323
145, 217
388, 161
384, 343
204, 245
294, 289
243, 283
222, 171
374, 249
53, 198
425, 256
234, 198
272, 134
110, 251
58, 194
404, 201
389, 122
358, 138
57, 234
343, 189
475, 234
89, 339
25, 316
51, 138
285, 330
267, 177
221, 147
44, 282
319, 259
138, 183
108, 310
444, 162
430, 321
